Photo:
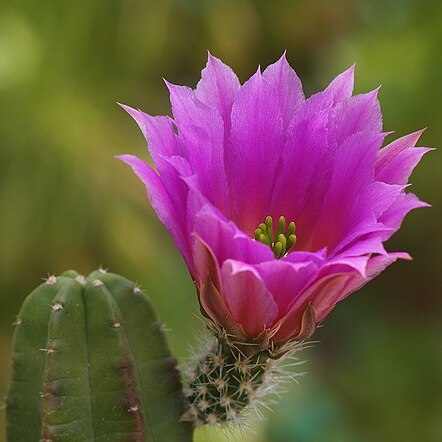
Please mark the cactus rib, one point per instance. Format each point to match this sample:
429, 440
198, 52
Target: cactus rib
91, 363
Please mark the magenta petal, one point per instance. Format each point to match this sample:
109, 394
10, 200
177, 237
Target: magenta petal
304, 173
355, 114
342, 86
158, 132
288, 85
208, 280
319, 293
374, 267
370, 243
253, 151
339, 89
298, 257
394, 216
327, 291
206, 161
189, 111
364, 217
206, 264
247, 297
201, 133
286, 281
346, 264
353, 171
162, 204
397, 160
379, 196
218, 88
165, 150
173, 174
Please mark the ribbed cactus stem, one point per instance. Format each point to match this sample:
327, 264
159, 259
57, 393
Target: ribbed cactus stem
91, 363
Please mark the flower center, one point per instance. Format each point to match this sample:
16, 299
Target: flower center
282, 241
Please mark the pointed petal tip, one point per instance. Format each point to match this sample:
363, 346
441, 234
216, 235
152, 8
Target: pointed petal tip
212, 58
171, 86
128, 159
167, 82
283, 57
419, 132
387, 133
403, 255
416, 136
424, 205
350, 70
130, 110
374, 92
282, 60
393, 257
255, 78
341, 87
428, 149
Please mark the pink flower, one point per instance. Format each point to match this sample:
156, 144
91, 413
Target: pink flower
235, 155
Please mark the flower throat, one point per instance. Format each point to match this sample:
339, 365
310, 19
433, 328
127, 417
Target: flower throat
282, 241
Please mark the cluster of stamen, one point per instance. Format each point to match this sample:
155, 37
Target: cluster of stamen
280, 242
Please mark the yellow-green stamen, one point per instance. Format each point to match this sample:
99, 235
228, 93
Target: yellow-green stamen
282, 241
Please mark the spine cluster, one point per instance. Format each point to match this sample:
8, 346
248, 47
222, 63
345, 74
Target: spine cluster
226, 386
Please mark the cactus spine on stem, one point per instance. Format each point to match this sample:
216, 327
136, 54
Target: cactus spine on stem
228, 382
91, 363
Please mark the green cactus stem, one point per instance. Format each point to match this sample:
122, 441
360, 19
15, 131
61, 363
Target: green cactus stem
91, 363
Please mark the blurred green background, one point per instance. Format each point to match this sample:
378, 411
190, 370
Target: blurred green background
66, 203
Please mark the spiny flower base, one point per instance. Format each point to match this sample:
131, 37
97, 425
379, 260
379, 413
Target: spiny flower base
224, 384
